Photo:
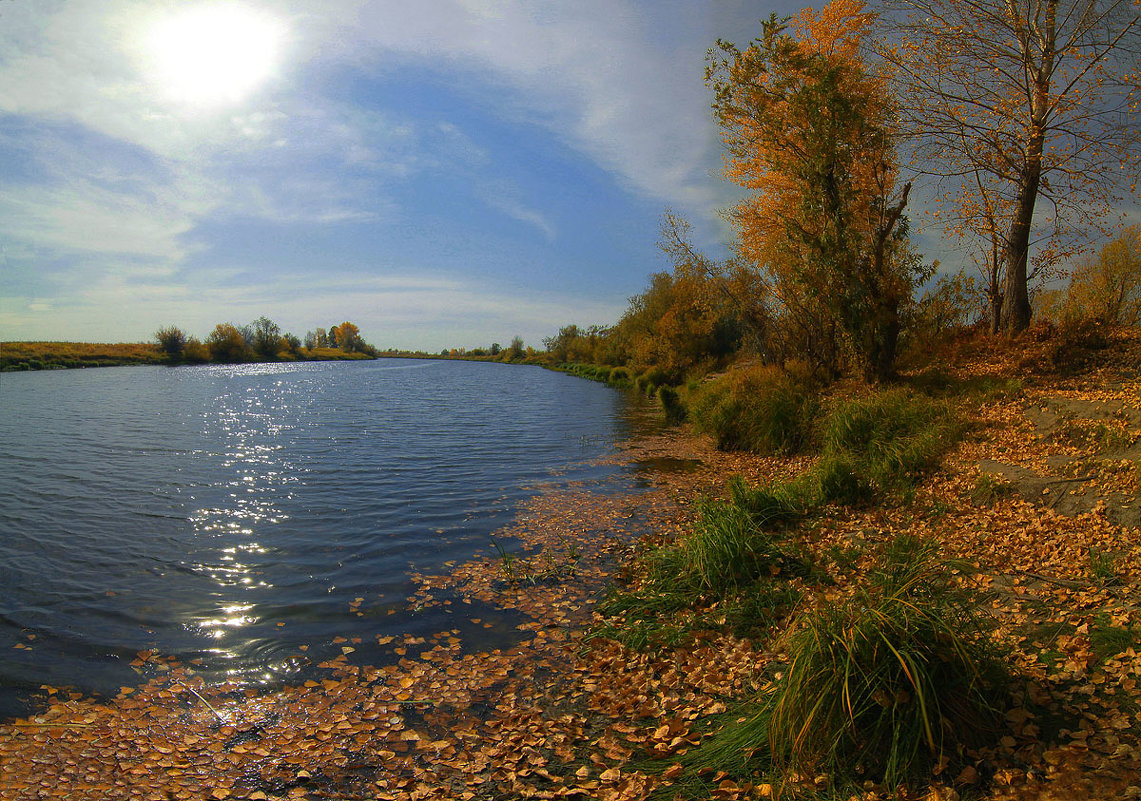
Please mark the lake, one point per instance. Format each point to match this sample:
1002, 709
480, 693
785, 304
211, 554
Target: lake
226, 515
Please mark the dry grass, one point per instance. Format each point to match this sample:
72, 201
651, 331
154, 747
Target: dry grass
49, 355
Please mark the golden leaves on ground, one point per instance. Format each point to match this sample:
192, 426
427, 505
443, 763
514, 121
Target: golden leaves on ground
555, 716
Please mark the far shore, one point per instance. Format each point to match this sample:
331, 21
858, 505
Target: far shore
26, 356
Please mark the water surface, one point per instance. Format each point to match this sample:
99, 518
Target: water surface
229, 514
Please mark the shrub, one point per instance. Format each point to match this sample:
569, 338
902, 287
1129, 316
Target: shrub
881, 443
883, 686
1076, 344
172, 341
620, 377
758, 409
195, 352
649, 381
672, 406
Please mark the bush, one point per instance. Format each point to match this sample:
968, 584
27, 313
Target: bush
620, 377
649, 381
172, 341
672, 406
881, 687
758, 409
1075, 344
880, 444
195, 352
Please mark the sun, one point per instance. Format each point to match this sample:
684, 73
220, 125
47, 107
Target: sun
211, 54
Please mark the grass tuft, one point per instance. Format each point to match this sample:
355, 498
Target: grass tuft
881, 444
881, 687
727, 560
990, 489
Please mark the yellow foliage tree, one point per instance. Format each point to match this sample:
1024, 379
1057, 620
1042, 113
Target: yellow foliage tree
347, 337
809, 129
1107, 287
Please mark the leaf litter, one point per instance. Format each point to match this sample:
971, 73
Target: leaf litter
560, 714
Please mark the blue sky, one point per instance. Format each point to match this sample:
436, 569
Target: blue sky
442, 173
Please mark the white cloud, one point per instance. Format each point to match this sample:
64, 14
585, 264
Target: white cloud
504, 198
590, 71
404, 309
85, 218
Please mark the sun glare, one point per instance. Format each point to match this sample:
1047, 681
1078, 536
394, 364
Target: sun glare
212, 54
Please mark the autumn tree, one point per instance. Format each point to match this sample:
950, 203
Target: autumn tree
347, 336
809, 129
226, 344
266, 337
1107, 287
567, 345
1027, 114
172, 341
700, 312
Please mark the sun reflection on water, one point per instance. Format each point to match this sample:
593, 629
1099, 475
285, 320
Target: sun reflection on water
236, 531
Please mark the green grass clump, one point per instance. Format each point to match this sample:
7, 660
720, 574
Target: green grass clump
975, 388
880, 687
881, 444
672, 406
649, 381
725, 550
1108, 640
727, 560
1103, 566
770, 505
757, 409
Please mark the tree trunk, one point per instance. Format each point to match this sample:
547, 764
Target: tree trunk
1016, 296
995, 295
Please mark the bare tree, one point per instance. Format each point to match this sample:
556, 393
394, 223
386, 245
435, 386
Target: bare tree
1026, 113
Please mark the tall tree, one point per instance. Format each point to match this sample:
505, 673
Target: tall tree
266, 337
347, 336
1027, 114
809, 129
172, 341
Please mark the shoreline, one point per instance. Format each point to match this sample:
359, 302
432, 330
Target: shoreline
562, 715
172, 712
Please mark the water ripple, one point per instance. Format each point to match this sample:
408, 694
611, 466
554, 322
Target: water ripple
232, 513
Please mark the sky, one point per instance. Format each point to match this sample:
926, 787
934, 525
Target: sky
445, 173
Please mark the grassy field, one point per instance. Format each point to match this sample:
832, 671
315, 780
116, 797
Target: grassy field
56, 355
59, 355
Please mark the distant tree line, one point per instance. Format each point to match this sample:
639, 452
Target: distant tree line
515, 352
262, 341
